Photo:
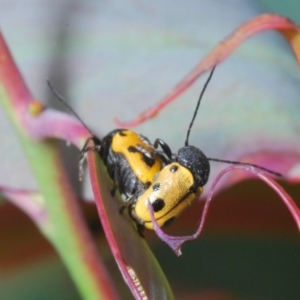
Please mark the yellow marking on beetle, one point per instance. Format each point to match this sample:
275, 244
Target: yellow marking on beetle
127, 139
173, 190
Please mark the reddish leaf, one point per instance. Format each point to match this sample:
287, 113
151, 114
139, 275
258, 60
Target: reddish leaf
136, 262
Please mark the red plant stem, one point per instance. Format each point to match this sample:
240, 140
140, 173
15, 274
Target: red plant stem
175, 242
264, 22
67, 229
88, 251
11, 78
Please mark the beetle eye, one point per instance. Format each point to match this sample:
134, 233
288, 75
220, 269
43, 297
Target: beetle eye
158, 204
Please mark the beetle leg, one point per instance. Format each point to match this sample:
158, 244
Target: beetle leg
114, 188
82, 159
97, 146
86, 149
163, 158
140, 229
164, 146
117, 179
129, 202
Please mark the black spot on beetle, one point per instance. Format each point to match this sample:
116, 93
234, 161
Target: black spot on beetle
156, 187
173, 169
158, 204
147, 184
148, 160
132, 149
169, 221
121, 132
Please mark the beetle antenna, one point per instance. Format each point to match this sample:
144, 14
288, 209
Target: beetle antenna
233, 162
65, 103
197, 106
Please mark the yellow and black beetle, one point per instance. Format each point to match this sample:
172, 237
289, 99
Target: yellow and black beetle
130, 158
178, 185
172, 183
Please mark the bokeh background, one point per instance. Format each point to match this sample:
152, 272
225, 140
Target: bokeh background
115, 59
